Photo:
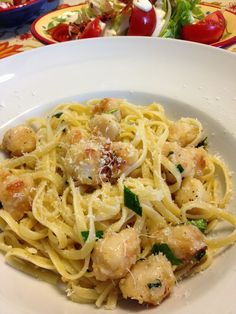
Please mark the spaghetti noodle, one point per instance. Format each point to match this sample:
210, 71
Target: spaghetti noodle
112, 199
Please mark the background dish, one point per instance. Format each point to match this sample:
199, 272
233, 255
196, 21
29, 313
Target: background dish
40, 25
188, 79
25, 13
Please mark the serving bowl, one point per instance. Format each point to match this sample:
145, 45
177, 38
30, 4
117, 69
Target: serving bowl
188, 79
25, 13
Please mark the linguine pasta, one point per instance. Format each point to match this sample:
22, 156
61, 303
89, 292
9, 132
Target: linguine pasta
93, 174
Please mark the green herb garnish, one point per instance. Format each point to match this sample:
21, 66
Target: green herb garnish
131, 201
203, 143
111, 111
201, 224
180, 168
165, 249
58, 114
85, 234
156, 284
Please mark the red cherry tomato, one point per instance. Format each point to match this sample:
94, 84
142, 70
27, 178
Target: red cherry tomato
142, 23
60, 32
92, 29
206, 31
216, 17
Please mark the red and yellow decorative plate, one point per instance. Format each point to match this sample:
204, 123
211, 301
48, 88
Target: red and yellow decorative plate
39, 27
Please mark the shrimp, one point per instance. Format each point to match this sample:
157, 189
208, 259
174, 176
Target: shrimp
191, 160
97, 160
105, 125
19, 140
191, 189
182, 132
149, 281
16, 193
114, 254
187, 242
108, 105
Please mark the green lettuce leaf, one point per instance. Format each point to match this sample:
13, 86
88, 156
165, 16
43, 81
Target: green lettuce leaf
183, 12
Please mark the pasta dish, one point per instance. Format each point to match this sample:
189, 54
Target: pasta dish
113, 200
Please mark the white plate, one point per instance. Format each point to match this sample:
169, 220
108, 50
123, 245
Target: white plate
188, 79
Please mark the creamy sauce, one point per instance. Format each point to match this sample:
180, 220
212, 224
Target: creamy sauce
69, 17
144, 5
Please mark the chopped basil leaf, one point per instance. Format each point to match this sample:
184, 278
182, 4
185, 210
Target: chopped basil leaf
156, 284
57, 115
99, 234
111, 111
170, 153
203, 143
199, 255
201, 224
165, 249
131, 201
180, 168
85, 234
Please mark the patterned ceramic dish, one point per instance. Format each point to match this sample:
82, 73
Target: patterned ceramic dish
41, 25
24, 13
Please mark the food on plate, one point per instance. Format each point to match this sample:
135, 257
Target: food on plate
112, 200
19, 140
6, 4
162, 18
206, 31
150, 281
